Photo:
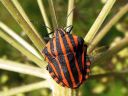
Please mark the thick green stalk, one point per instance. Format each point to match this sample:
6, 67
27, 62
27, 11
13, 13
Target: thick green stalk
57, 90
108, 26
17, 12
98, 22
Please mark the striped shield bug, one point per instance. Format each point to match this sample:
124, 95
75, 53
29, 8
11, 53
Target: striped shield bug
66, 54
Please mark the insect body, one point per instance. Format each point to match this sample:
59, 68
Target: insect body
67, 61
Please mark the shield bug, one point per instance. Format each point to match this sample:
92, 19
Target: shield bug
66, 54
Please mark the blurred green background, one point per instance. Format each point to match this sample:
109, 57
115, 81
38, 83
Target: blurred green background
85, 13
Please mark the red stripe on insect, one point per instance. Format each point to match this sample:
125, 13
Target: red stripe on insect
66, 59
76, 62
76, 40
56, 53
52, 66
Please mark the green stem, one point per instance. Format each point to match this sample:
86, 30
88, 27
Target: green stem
75, 92
44, 15
60, 91
70, 12
98, 22
53, 14
109, 53
21, 41
19, 15
108, 74
108, 26
25, 88
24, 69
22, 49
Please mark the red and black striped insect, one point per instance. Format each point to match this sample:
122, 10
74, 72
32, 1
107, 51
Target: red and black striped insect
68, 63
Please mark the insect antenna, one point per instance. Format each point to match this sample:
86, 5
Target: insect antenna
70, 12
48, 27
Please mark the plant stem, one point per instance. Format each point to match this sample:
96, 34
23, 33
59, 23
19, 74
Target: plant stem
22, 49
98, 22
19, 15
57, 90
70, 12
24, 69
75, 92
44, 15
123, 72
108, 26
21, 41
53, 14
109, 53
26, 88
